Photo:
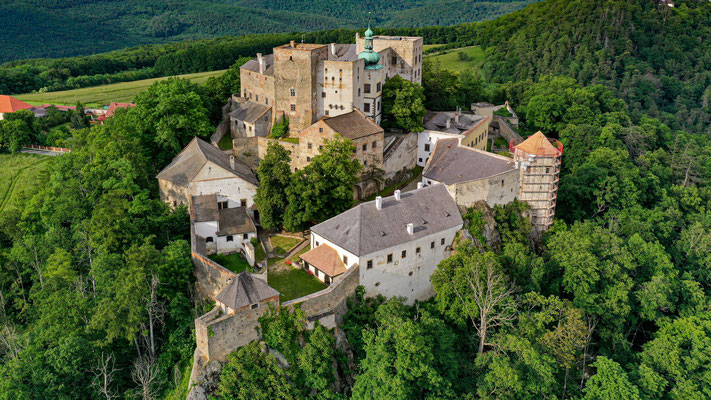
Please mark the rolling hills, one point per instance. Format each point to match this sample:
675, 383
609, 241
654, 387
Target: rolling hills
81, 27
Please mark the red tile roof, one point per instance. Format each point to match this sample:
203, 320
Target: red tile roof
539, 145
9, 104
114, 106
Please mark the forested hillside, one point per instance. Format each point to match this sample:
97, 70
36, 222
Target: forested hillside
614, 302
91, 26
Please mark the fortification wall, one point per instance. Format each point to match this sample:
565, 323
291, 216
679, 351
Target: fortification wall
218, 334
332, 299
403, 157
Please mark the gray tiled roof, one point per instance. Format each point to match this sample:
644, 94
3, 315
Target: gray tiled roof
344, 52
244, 290
248, 111
190, 161
235, 221
353, 125
205, 208
451, 163
438, 122
253, 64
364, 229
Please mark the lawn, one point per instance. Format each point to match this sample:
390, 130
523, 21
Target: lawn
225, 142
293, 283
123, 92
451, 60
21, 175
282, 244
294, 140
233, 262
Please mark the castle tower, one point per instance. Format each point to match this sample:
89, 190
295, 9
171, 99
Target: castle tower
539, 159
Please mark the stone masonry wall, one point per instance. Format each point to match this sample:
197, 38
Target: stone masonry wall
332, 299
404, 157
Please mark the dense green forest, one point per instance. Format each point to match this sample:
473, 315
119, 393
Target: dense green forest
33, 29
96, 298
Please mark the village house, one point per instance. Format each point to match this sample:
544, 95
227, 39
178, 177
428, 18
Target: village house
472, 175
367, 137
540, 160
397, 242
250, 119
111, 111
225, 230
472, 127
9, 104
427, 140
203, 169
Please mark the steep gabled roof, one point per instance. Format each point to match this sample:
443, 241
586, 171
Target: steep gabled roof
539, 145
353, 125
235, 221
9, 104
249, 111
244, 290
451, 163
364, 229
186, 165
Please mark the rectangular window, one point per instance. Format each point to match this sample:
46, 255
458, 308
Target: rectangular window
326, 112
266, 100
366, 88
432, 245
417, 250
320, 147
309, 146
292, 92
323, 94
256, 97
419, 159
358, 92
254, 306
393, 61
208, 239
320, 130
390, 258
243, 203
366, 107
293, 107
427, 147
370, 264
317, 243
221, 205
442, 241
345, 260
230, 238
377, 87
404, 253
308, 159
365, 147
374, 145
245, 236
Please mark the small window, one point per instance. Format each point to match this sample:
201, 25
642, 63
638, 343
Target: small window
417, 250
377, 87
254, 306
419, 159
309, 146
266, 100
245, 236
293, 107
345, 260
320, 130
175, 203
432, 245
442, 242
326, 112
208, 239
230, 238
365, 147
366, 88
410, 274
323, 94
377, 284
365, 163
317, 243
370, 264
404, 254
502, 183
358, 92
548, 170
390, 258
320, 147
393, 60
366, 107
374, 145
292, 92
308, 159
256, 97
427, 147
243, 203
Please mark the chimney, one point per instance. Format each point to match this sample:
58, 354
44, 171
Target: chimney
333, 49
410, 229
232, 161
292, 44
419, 185
449, 123
456, 118
397, 195
261, 63
379, 203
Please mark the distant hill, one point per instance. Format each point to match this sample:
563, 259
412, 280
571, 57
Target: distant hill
63, 28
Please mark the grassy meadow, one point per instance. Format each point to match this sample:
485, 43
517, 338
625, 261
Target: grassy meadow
451, 59
95, 96
21, 175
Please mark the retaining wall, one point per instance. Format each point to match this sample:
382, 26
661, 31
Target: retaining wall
332, 299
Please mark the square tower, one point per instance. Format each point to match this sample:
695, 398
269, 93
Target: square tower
404, 57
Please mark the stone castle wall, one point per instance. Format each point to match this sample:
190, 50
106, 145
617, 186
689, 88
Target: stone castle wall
402, 157
333, 299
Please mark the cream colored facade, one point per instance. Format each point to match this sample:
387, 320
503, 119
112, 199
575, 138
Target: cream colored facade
400, 55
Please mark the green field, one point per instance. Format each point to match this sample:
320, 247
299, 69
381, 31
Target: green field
21, 175
293, 283
451, 59
123, 92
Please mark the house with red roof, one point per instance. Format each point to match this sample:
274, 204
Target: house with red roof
112, 109
9, 104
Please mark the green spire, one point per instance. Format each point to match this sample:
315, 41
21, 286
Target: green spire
371, 58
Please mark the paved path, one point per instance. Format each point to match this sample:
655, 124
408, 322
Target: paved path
41, 152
